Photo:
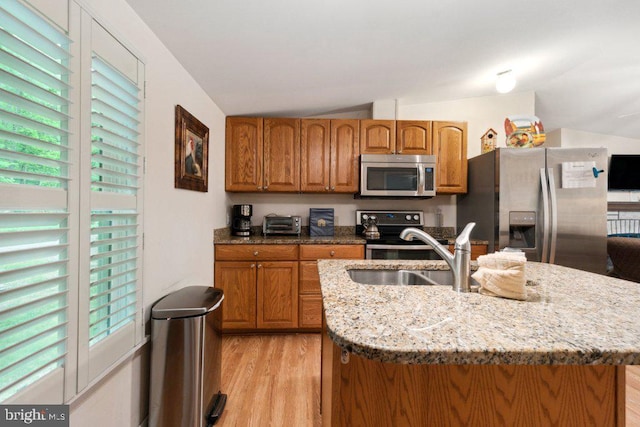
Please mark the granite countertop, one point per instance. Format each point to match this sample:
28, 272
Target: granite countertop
570, 317
344, 235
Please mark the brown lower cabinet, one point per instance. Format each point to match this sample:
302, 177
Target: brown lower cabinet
260, 285
274, 287
310, 297
360, 391
277, 287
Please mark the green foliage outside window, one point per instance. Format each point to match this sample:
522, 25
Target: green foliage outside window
24, 163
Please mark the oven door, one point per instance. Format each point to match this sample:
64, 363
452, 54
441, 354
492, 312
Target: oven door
401, 252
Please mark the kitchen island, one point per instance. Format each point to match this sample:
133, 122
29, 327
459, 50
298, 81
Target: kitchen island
425, 355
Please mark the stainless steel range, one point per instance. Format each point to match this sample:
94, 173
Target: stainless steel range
390, 246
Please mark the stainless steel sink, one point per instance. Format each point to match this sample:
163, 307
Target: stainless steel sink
401, 277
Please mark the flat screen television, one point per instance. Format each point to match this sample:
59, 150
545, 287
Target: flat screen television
624, 172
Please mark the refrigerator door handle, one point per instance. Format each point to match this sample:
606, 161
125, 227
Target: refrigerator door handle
554, 217
545, 215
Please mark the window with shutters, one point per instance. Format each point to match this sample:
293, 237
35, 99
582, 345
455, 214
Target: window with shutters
34, 212
114, 223
110, 312
70, 204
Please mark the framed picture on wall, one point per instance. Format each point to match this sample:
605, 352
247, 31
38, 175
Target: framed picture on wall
191, 152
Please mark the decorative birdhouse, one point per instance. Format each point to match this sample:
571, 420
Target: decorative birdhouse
489, 140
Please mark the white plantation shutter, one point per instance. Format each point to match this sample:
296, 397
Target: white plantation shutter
33, 297
34, 211
115, 276
114, 271
114, 131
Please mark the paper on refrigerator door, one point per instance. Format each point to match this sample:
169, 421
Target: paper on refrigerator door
578, 174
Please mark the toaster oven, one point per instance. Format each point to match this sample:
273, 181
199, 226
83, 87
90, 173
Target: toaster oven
281, 225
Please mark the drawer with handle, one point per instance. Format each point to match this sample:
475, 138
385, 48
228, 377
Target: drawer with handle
315, 252
256, 252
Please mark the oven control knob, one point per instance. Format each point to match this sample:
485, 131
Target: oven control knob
407, 217
365, 216
416, 217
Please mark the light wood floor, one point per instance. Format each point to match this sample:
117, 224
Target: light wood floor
274, 380
271, 380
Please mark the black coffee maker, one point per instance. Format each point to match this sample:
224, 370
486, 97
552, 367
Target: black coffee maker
241, 221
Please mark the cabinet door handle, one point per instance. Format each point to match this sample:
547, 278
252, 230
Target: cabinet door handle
253, 265
333, 188
255, 253
326, 188
259, 188
265, 187
259, 265
332, 253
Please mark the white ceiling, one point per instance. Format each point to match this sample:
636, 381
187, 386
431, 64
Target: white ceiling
297, 57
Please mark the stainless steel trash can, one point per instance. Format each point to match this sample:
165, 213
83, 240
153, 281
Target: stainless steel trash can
186, 357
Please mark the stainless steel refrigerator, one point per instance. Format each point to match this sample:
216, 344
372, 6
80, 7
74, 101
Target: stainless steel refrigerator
550, 203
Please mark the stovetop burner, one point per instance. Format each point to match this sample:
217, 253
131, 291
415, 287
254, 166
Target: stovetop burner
390, 223
391, 218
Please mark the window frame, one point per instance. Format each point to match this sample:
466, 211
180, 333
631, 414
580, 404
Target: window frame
84, 366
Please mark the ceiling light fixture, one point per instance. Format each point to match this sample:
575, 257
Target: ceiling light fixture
505, 81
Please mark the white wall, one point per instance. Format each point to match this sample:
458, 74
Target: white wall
576, 138
344, 204
362, 112
119, 400
479, 113
178, 223
614, 144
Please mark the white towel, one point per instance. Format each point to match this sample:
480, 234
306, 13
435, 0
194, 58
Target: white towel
502, 274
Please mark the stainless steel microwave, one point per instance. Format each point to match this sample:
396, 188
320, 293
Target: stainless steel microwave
388, 175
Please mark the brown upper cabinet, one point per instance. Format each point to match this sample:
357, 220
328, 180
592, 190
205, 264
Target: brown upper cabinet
396, 137
243, 154
413, 137
450, 148
322, 155
282, 155
329, 152
315, 155
377, 136
262, 154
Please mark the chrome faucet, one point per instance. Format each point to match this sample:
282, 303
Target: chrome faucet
459, 262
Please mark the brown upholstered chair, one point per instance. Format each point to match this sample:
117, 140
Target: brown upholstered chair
625, 256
